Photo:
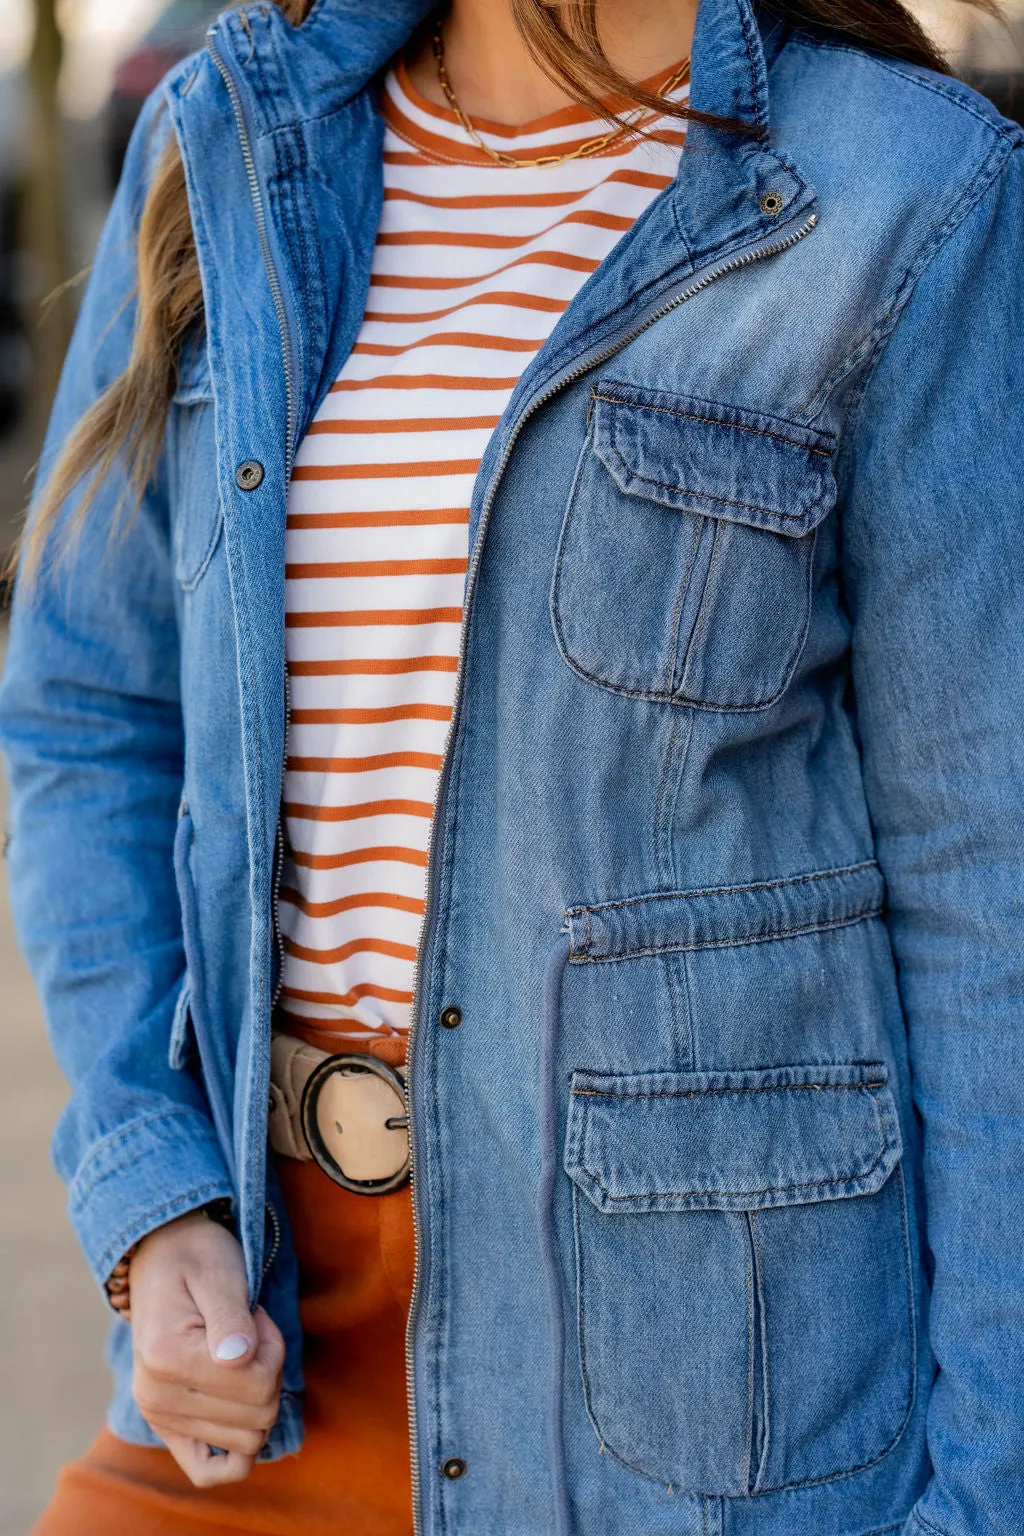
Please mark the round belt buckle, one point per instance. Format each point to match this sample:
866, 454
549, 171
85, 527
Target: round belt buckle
356, 1124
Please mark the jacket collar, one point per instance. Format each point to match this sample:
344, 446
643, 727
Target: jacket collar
309, 71
289, 76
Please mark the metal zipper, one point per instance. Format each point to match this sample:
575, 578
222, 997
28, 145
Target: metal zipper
291, 425
585, 366
292, 414
275, 1242
261, 230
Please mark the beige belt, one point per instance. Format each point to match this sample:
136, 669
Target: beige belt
346, 1112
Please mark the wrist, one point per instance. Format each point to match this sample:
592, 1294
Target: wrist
118, 1282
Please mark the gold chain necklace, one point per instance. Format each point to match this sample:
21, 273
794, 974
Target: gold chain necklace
589, 147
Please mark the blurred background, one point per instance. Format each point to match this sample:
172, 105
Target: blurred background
73, 74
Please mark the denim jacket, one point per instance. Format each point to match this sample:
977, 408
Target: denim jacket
717, 1183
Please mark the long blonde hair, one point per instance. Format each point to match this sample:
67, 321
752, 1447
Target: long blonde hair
125, 425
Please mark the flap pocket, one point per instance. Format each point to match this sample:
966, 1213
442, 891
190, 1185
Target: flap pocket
731, 1141
714, 460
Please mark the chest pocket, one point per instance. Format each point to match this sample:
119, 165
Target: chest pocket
685, 561
192, 466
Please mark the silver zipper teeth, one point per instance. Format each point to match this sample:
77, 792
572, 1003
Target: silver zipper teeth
291, 424
290, 428
585, 367
279, 849
275, 1244
261, 230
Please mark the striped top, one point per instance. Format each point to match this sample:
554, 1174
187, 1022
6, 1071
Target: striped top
474, 262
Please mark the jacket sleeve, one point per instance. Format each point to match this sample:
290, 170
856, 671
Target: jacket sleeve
91, 728
933, 538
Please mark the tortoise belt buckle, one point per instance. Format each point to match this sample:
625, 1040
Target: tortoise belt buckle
356, 1123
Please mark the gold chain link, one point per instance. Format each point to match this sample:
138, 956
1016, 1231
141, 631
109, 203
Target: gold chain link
589, 147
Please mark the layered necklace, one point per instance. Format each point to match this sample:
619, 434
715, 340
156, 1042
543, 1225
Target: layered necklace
589, 147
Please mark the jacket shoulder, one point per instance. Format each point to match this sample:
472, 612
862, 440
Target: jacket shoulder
911, 134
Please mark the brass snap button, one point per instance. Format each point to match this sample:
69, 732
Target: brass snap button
771, 202
451, 1018
249, 475
453, 1468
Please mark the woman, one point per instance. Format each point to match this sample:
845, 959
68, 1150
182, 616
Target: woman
527, 564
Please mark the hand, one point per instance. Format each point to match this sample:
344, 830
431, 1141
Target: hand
207, 1371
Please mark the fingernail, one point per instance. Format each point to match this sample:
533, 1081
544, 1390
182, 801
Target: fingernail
233, 1347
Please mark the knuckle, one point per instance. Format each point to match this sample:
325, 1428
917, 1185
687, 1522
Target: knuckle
160, 1356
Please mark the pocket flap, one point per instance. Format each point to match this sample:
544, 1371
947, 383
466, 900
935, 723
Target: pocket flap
731, 1141
714, 460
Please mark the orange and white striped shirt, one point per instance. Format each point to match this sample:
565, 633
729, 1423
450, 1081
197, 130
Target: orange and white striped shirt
474, 262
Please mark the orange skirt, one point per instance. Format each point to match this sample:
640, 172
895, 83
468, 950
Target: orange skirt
355, 1264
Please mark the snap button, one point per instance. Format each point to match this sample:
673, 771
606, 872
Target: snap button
249, 475
451, 1018
453, 1468
771, 202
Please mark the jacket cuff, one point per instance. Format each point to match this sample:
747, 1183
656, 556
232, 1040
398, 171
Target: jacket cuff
141, 1177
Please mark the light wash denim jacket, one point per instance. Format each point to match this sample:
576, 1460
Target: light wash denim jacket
718, 1183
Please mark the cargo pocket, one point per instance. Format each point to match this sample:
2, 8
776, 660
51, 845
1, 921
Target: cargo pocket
685, 561
743, 1275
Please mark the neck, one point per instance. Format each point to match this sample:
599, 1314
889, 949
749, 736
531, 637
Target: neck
494, 76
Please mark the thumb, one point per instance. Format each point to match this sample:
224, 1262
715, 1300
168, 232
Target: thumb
222, 1298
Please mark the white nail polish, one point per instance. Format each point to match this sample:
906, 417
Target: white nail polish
233, 1347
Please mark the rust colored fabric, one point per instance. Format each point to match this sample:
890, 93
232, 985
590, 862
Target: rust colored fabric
352, 1475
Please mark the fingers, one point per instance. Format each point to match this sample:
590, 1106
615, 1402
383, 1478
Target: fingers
247, 1442
207, 1371
202, 1467
168, 1400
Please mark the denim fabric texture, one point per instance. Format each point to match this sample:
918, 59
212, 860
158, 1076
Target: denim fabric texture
718, 1181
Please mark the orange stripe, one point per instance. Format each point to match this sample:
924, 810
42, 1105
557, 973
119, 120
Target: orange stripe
357, 619
357, 812
379, 519
374, 667
344, 951
363, 764
350, 903
359, 856
531, 301
419, 381
302, 571
450, 339
344, 999
526, 200
371, 716
400, 471
410, 423
593, 218
562, 259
